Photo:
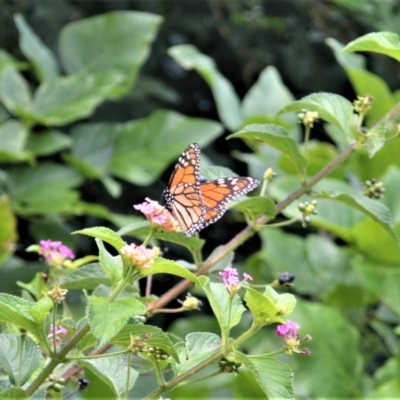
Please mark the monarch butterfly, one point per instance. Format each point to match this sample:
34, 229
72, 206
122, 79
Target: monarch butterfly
196, 203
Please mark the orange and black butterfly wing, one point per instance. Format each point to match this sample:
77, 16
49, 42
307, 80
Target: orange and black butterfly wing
183, 196
216, 194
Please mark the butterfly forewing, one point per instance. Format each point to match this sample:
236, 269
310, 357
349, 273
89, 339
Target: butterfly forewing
183, 197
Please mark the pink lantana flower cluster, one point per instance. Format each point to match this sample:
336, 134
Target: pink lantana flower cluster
292, 342
230, 277
140, 256
56, 331
55, 253
158, 215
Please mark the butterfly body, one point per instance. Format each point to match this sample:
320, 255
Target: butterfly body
196, 203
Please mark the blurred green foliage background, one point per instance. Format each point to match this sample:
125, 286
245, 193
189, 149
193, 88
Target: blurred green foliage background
97, 103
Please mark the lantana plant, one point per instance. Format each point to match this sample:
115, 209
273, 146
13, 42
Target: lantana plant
44, 347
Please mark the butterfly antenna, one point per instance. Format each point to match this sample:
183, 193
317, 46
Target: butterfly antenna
162, 184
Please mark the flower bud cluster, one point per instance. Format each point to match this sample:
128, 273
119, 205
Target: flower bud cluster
363, 104
307, 118
374, 189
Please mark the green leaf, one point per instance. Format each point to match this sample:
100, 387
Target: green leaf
127, 150
14, 394
267, 96
375, 139
276, 137
365, 82
373, 208
41, 309
256, 206
341, 379
228, 310
47, 142
142, 229
37, 286
8, 231
163, 266
265, 311
112, 42
14, 92
87, 277
16, 311
13, 135
111, 264
107, 319
34, 50
382, 280
153, 336
104, 234
378, 42
274, 377
112, 371
226, 99
198, 347
330, 107
62, 100
14, 349
44, 188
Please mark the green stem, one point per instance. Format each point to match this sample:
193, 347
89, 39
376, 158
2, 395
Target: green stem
117, 353
264, 187
149, 236
225, 332
128, 375
54, 328
307, 137
273, 353
21, 360
49, 368
280, 224
121, 286
216, 373
159, 375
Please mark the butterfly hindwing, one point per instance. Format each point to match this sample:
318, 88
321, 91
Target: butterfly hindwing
195, 203
217, 193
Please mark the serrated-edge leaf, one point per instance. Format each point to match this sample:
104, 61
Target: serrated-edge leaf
112, 371
276, 137
106, 319
274, 377
105, 234
373, 208
16, 311
263, 308
142, 229
198, 347
228, 310
153, 335
87, 277
113, 265
14, 394
378, 42
256, 206
330, 107
12, 347
163, 266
